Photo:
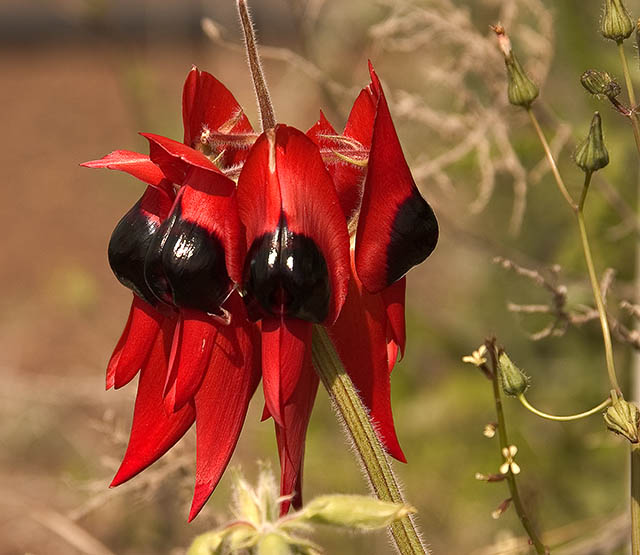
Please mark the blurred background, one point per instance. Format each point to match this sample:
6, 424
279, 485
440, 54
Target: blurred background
81, 78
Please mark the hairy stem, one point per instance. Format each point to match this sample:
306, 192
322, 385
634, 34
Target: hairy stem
358, 425
594, 410
504, 444
267, 115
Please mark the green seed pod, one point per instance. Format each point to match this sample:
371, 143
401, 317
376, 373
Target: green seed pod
591, 154
616, 23
521, 90
514, 381
354, 511
623, 418
600, 83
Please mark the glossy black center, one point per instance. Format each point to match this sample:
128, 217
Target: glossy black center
286, 274
128, 248
414, 234
185, 265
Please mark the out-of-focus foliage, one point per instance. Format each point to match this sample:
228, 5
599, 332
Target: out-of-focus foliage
82, 78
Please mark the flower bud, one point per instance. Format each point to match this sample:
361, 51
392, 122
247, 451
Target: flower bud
600, 83
591, 154
273, 544
623, 418
354, 511
521, 90
513, 380
616, 23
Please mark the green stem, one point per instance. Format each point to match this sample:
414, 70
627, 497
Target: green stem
633, 116
595, 286
548, 416
635, 498
504, 444
551, 160
358, 425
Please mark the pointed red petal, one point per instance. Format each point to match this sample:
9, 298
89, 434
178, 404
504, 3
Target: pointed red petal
284, 175
285, 343
135, 344
397, 228
153, 431
176, 159
189, 357
291, 435
133, 163
394, 298
207, 103
360, 337
222, 400
363, 112
347, 178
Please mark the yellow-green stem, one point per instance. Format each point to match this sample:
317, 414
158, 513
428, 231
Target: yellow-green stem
504, 444
633, 116
375, 461
635, 498
594, 410
551, 160
595, 286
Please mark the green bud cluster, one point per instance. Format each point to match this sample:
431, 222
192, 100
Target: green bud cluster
591, 154
616, 23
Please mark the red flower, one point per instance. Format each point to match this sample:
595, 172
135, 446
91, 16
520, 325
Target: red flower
282, 239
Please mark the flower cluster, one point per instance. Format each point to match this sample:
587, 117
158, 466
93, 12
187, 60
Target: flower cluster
239, 245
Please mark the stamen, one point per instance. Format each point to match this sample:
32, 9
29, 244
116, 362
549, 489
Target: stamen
355, 161
267, 115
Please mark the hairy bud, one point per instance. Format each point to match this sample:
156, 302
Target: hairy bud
591, 154
514, 381
623, 418
600, 83
616, 23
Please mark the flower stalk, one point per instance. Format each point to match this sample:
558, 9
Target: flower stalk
358, 425
525, 403
267, 114
505, 447
578, 209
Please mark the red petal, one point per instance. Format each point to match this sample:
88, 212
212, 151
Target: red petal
284, 173
206, 102
285, 343
347, 178
360, 122
222, 400
135, 344
360, 337
153, 431
133, 163
291, 435
193, 343
394, 298
397, 228
176, 159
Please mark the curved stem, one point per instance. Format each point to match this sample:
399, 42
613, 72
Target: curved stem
594, 410
267, 115
551, 160
595, 286
370, 451
504, 444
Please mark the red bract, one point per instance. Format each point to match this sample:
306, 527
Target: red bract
228, 281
